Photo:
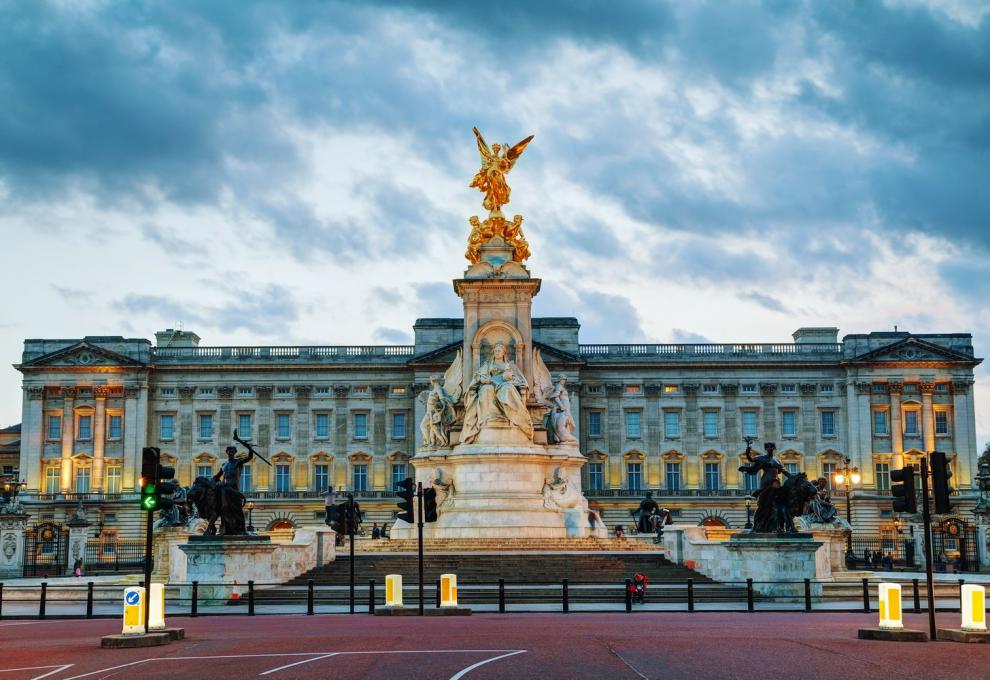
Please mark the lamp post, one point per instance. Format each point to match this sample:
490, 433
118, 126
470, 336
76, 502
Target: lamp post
250, 508
848, 475
749, 512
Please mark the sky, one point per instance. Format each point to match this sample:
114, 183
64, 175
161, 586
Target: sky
297, 173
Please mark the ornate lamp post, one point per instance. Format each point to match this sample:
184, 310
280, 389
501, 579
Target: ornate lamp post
749, 512
848, 475
11, 489
250, 508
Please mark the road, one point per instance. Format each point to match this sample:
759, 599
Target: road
488, 646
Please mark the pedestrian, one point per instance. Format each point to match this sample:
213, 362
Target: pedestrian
866, 559
877, 559
77, 567
888, 562
376, 533
329, 500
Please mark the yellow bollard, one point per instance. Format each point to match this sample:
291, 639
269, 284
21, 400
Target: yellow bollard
974, 608
133, 611
393, 590
890, 606
156, 604
448, 590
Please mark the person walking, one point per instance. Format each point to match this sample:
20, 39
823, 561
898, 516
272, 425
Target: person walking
329, 500
77, 567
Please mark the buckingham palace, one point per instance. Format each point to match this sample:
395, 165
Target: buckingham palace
668, 418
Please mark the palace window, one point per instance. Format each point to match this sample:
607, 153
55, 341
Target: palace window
713, 480
596, 389
246, 481
244, 391
284, 391
53, 480
360, 477
751, 482
82, 479
792, 468
672, 474
749, 423
788, 423
321, 390
747, 389
398, 426
166, 425
880, 423
167, 392
114, 427
594, 423
205, 425
321, 477
204, 470
709, 389
54, 427
398, 474
828, 388
595, 476
283, 426
828, 423
113, 479
244, 425
670, 389
84, 427
710, 424
828, 472
911, 428
634, 389
788, 389
941, 422
883, 476
322, 425
206, 391
633, 429
282, 477
360, 425
880, 388
634, 476
941, 387
672, 424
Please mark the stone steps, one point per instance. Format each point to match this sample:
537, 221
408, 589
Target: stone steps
500, 545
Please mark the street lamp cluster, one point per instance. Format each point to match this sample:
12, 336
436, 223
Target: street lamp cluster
849, 476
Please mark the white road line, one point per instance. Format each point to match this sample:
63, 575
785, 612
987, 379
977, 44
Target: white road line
57, 670
24, 623
297, 663
460, 674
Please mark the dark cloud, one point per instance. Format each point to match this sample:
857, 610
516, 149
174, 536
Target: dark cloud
768, 302
604, 317
170, 243
437, 300
681, 335
393, 336
72, 295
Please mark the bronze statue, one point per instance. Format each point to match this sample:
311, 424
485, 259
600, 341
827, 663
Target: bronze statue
221, 497
820, 508
645, 524
768, 513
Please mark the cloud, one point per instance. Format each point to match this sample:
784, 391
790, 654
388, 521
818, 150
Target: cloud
72, 295
679, 335
765, 301
393, 336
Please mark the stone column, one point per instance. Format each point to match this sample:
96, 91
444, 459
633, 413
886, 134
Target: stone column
99, 435
927, 415
651, 475
851, 416
264, 394
134, 437
964, 431
613, 434
809, 428
78, 533
32, 437
894, 389
303, 438
340, 435
68, 432
378, 430
692, 437
12, 526
733, 433
864, 413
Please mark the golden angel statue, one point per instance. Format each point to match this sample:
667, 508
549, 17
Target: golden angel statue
496, 162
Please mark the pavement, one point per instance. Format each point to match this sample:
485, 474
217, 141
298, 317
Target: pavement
672, 646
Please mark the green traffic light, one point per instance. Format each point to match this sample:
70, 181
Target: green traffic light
149, 500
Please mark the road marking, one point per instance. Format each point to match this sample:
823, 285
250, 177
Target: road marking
460, 674
24, 623
297, 663
57, 669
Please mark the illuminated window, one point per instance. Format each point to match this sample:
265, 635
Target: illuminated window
670, 389
634, 389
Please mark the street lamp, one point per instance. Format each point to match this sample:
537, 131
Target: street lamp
848, 475
250, 508
749, 512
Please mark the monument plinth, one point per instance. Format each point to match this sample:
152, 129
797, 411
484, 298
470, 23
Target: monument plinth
498, 440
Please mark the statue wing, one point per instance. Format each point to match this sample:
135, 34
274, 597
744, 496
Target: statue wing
515, 151
452, 377
486, 153
542, 382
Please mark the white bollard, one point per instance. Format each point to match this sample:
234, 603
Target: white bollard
448, 590
974, 608
891, 617
133, 611
156, 607
393, 590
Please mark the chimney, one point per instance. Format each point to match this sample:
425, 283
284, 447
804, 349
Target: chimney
173, 338
816, 334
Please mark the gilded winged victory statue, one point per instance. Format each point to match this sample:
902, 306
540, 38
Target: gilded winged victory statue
496, 163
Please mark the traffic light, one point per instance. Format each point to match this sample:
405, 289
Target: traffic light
166, 486
905, 499
335, 518
940, 483
407, 496
351, 516
149, 478
429, 505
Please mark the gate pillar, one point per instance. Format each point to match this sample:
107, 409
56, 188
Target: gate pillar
12, 526
78, 531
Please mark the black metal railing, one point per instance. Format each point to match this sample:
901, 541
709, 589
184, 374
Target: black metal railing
114, 556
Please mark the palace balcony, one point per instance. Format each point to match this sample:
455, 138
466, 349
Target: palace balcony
310, 354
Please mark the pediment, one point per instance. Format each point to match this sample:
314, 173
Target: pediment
82, 355
914, 350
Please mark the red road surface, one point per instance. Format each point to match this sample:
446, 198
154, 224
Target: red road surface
483, 647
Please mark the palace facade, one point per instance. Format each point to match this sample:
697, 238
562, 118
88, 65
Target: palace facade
670, 418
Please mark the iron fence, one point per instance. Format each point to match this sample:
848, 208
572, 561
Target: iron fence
121, 555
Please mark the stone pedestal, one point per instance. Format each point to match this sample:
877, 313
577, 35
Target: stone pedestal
78, 534
773, 557
212, 560
503, 491
831, 557
12, 528
167, 554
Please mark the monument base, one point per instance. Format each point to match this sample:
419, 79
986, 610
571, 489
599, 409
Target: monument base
777, 563
960, 635
505, 491
893, 635
214, 560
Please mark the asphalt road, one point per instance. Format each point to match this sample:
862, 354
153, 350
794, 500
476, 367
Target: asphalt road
487, 646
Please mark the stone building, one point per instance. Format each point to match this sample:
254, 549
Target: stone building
10, 452
670, 418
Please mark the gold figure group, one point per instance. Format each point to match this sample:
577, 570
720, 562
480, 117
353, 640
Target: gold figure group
496, 162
